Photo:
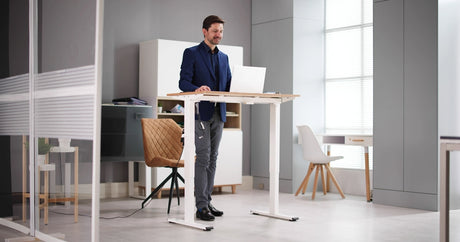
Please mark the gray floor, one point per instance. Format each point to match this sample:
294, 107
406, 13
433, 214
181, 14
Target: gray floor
327, 218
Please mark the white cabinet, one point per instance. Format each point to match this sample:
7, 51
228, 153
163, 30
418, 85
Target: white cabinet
159, 68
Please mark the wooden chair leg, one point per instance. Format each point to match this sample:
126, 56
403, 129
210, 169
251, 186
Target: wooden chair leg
305, 180
24, 178
316, 182
328, 179
311, 167
323, 180
335, 181
76, 157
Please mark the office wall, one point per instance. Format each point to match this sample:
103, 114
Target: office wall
4, 38
126, 23
272, 47
18, 38
405, 103
287, 39
66, 34
308, 79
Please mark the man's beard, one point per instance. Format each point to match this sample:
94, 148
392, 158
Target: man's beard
215, 41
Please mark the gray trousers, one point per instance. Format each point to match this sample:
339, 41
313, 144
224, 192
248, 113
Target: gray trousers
207, 139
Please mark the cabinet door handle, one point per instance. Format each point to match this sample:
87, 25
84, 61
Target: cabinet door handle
357, 140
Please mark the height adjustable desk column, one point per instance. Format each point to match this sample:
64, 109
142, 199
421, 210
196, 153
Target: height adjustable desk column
190, 98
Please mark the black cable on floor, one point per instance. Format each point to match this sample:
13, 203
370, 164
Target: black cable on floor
86, 215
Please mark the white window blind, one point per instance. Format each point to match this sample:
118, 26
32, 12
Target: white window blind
349, 74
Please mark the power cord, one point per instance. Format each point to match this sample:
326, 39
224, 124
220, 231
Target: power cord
86, 215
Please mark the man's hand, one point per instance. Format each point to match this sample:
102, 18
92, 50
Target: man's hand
203, 89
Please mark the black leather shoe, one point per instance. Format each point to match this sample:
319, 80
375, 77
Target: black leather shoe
204, 214
214, 211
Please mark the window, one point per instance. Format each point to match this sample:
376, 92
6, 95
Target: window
349, 74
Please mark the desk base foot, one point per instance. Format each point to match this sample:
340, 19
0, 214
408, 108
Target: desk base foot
191, 224
278, 216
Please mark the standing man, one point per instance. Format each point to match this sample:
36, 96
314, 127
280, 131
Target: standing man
205, 68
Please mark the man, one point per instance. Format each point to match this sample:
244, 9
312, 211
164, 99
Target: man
205, 68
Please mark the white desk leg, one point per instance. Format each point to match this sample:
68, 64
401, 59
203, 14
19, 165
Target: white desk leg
131, 188
131, 178
189, 167
444, 194
274, 166
148, 180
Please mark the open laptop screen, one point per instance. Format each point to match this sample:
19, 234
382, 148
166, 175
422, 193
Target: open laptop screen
248, 79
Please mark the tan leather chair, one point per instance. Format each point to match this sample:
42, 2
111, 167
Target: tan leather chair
163, 148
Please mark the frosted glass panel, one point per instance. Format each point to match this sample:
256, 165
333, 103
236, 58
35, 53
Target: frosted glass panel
14, 105
343, 104
340, 13
368, 51
368, 103
343, 54
349, 105
368, 11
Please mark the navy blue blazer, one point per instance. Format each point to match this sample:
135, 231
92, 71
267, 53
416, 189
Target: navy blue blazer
196, 71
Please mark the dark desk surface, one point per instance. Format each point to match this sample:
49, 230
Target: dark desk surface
451, 137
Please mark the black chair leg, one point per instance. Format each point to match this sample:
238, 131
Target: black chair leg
174, 176
157, 189
177, 188
180, 177
171, 189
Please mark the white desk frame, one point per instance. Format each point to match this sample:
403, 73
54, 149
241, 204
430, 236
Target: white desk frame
447, 145
364, 140
190, 98
148, 180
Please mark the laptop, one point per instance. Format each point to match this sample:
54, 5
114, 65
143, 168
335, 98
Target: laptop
248, 79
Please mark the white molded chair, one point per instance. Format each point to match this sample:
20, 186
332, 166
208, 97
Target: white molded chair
318, 160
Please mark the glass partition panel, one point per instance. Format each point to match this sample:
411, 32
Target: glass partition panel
64, 97
14, 113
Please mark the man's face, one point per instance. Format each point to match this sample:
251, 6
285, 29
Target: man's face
214, 34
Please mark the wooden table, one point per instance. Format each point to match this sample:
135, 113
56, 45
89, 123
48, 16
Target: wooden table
364, 140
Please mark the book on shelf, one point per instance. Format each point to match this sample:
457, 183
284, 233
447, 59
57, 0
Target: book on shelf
128, 101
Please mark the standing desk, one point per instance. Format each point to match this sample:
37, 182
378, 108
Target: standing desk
190, 98
448, 144
364, 140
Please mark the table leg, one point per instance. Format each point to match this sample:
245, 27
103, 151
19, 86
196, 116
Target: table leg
131, 187
46, 189
75, 185
189, 168
67, 187
274, 166
328, 179
24, 178
368, 183
444, 194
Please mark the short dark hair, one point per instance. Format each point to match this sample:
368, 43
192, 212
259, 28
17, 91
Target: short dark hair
211, 19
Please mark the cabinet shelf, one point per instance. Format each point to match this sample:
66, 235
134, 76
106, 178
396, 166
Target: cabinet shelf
169, 114
168, 103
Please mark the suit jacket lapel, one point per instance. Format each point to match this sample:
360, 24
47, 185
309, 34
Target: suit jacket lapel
222, 66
